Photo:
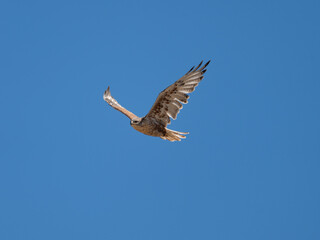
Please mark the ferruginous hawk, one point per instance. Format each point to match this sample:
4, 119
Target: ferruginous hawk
167, 105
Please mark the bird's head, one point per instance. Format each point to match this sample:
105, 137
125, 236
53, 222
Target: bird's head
135, 121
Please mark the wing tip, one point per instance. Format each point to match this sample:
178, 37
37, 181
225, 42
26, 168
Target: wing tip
190, 70
207, 63
198, 66
193, 69
106, 93
202, 69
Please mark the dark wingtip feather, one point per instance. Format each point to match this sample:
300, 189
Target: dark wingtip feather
106, 93
199, 65
190, 70
204, 66
203, 71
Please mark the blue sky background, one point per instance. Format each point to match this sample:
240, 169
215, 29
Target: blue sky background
72, 167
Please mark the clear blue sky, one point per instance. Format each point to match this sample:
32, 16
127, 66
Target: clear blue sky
72, 167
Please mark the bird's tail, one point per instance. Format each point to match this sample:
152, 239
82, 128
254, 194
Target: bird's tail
172, 135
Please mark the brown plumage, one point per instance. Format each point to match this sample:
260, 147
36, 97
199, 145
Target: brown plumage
167, 105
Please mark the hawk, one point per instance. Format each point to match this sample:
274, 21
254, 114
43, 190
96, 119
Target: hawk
167, 105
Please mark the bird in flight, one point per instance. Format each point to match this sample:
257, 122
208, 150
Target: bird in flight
167, 105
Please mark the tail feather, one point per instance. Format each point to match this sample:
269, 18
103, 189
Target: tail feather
172, 135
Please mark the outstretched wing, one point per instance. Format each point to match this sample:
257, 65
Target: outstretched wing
113, 103
169, 101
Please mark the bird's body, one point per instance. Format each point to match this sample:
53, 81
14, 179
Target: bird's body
167, 105
151, 127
